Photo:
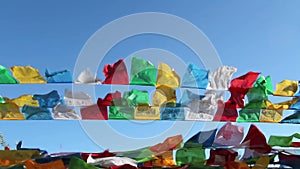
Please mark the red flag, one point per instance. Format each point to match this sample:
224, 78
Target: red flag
105, 153
116, 73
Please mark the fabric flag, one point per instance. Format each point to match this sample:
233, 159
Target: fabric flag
63, 112
251, 112
262, 87
176, 112
116, 73
283, 141
162, 95
236, 165
255, 140
225, 111
93, 112
36, 113
140, 155
288, 159
229, 135
170, 143
27, 74
270, 115
10, 111
167, 76
286, 88
106, 101
163, 160
18, 166
105, 153
293, 118
195, 77
77, 98
62, 76
219, 79
64, 156
58, 164
146, 112
124, 166
13, 157
77, 163
282, 105
194, 157
2, 100
206, 107
137, 97
6, 77
111, 161
48, 100
240, 86
221, 156
262, 162
188, 96
121, 112
296, 106
204, 138
25, 99
142, 72
86, 76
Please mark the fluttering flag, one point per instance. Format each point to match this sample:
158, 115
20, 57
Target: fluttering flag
77, 98
58, 164
63, 112
102, 106
27, 74
86, 76
48, 100
255, 140
283, 141
288, 159
262, 87
195, 77
93, 112
77, 163
121, 112
142, 72
6, 77
270, 115
251, 112
236, 165
205, 108
219, 79
173, 112
25, 99
188, 96
13, 157
62, 76
111, 161
229, 135
240, 86
167, 77
105, 153
225, 112
36, 113
293, 118
163, 95
203, 138
194, 157
116, 73
10, 111
221, 156
146, 112
163, 160
286, 88
171, 143
137, 97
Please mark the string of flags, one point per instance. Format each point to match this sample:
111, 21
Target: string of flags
224, 146
248, 101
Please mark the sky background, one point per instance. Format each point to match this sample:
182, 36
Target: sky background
261, 36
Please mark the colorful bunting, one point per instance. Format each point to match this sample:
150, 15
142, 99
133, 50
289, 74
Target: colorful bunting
36, 113
167, 77
219, 79
229, 135
48, 100
195, 77
286, 88
27, 74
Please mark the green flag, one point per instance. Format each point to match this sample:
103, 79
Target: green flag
142, 72
251, 111
283, 141
77, 163
190, 156
6, 77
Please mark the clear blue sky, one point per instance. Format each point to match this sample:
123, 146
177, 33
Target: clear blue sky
259, 36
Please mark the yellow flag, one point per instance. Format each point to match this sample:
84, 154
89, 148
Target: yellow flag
27, 74
163, 94
25, 99
286, 88
165, 159
58, 164
166, 76
270, 115
10, 111
282, 105
262, 163
146, 112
